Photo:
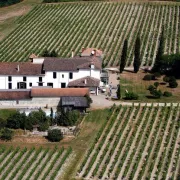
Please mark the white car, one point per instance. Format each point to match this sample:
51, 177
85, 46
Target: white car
102, 89
92, 92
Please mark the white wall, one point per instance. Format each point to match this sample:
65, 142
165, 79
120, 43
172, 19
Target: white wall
4, 83
95, 73
38, 60
48, 78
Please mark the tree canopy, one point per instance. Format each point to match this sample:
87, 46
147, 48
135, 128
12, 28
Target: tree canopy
137, 61
124, 56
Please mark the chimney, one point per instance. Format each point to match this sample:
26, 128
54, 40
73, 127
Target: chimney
72, 53
85, 81
83, 49
95, 52
18, 67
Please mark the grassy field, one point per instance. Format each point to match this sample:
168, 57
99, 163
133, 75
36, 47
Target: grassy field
5, 113
68, 26
134, 83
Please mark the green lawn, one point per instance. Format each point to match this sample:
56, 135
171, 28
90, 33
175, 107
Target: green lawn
141, 89
5, 113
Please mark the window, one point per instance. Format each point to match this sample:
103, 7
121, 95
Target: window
40, 79
24, 78
30, 84
9, 78
50, 84
62, 75
63, 85
40, 84
21, 85
70, 75
54, 75
10, 86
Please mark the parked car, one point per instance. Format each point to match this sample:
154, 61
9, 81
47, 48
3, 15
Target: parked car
92, 92
102, 89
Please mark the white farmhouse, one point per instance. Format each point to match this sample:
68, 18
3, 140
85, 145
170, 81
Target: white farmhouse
82, 71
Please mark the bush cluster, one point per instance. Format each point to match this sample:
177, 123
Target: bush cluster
68, 118
131, 96
149, 77
156, 92
171, 80
55, 135
8, 2
21, 121
167, 94
6, 134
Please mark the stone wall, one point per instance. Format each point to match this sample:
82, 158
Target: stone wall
34, 102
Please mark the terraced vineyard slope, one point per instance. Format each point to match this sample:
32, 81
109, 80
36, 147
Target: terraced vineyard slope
67, 26
137, 142
44, 164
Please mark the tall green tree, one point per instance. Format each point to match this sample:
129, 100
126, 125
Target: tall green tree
137, 61
159, 55
124, 56
118, 92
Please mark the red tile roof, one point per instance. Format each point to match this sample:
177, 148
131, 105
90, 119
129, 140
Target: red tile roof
85, 82
59, 92
14, 94
25, 68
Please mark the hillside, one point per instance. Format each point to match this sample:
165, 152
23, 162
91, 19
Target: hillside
67, 26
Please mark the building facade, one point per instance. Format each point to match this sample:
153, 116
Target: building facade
49, 72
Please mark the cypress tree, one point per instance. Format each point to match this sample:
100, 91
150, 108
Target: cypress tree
123, 56
137, 61
157, 64
118, 92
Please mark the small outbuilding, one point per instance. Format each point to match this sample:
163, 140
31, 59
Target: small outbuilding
74, 103
86, 82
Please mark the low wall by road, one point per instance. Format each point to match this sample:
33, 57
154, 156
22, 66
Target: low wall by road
34, 102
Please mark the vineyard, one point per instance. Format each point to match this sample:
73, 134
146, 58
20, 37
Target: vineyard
136, 142
18, 164
68, 26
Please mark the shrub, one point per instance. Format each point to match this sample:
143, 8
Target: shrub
157, 74
6, 134
172, 78
151, 88
3, 123
55, 135
149, 77
166, 79
167, 94
67, 118
16, 121
131, 96
37, 118
156, 84
156, 93
89, 100
173, 84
